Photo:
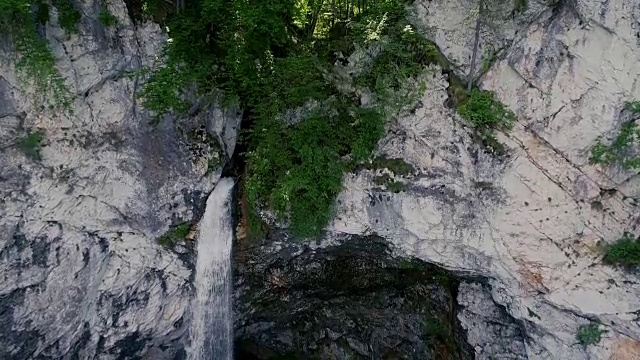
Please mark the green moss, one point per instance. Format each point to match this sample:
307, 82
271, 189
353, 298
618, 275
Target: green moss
625, 252
42, 13
31, 144
403, 56
589, 334
482, 111
533, 314
106, 18
434, 329
174, 234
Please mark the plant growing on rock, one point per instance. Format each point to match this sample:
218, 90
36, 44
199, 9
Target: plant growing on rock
106, 18
482, 111
624, 148
174, 234
31, 144
590, 334
19, 20
295, 169
624, 252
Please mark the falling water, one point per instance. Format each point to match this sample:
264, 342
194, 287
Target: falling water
211, 323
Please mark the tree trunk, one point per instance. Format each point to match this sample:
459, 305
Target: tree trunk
314, 21
472, 68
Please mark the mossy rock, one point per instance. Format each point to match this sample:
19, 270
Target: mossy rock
174, 234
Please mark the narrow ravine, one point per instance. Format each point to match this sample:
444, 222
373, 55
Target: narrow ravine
212, 319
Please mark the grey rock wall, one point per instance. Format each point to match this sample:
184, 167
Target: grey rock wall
534, 222
81, 274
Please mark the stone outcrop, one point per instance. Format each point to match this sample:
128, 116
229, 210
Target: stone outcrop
82, 274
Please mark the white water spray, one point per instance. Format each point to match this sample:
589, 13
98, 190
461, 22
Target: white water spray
212, 319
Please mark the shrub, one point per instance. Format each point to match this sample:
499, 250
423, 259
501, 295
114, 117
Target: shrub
481, 110
625, 252
174, 234
590, 334
484, 113
31, 144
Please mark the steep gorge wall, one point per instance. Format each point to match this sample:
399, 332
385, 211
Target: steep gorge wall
535, 221
81, 272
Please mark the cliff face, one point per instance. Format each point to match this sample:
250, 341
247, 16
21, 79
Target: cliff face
534, 221
81, 271
83, 277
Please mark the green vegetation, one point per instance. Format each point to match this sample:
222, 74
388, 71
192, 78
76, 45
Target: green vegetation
484, 113
68, 15
625, 252
396, 165
624, 149
621, 151
31, 144
19, 20
391, 185
590, 334
174, 234
520, 6
533, 313
273, 55
106, 18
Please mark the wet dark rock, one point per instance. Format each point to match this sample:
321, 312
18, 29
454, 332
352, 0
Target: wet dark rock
347, 301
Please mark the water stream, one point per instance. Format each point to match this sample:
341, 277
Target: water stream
210, 334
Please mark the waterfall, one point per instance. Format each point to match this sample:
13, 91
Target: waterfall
212, 319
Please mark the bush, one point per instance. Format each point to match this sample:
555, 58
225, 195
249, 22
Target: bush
484, 113
625, 252
589, 334
31, 144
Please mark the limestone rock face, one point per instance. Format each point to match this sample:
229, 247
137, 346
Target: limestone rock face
534, 221
81, 272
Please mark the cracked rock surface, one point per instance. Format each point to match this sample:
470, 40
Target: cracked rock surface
81, 273
535, 221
